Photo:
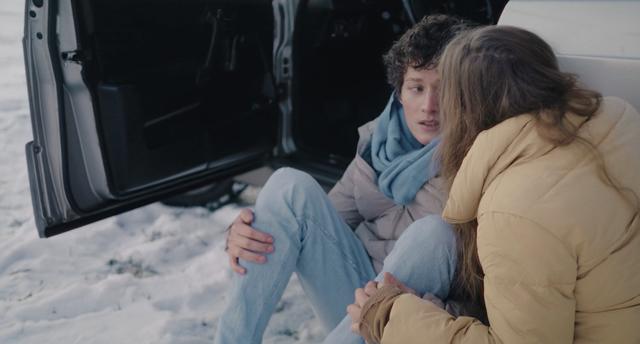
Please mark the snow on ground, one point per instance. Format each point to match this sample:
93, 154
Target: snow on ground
154, 275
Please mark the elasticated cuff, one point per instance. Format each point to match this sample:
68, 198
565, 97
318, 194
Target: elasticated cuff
376, 311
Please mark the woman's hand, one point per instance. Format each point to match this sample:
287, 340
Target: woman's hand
389, 279
355, 309
246, 242
363, 294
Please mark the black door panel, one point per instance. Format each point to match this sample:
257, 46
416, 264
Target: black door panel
168, 75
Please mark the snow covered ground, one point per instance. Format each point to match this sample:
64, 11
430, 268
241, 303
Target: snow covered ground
154, 275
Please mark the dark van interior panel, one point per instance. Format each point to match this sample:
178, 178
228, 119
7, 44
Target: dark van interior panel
177, 84
339, 77
181, 84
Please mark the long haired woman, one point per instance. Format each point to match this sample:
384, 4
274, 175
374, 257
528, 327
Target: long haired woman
545, 178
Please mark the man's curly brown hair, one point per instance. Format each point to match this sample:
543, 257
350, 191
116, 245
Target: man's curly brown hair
421, 46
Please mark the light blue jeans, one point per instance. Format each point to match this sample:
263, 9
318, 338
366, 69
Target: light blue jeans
311, 239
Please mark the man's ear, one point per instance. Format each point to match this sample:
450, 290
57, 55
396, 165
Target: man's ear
399, 95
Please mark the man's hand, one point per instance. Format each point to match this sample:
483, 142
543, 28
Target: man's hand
246, 242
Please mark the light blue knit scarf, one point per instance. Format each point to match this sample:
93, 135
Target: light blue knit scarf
403, 165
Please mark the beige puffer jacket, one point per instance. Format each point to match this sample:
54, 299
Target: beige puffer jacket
376, 219
559, 247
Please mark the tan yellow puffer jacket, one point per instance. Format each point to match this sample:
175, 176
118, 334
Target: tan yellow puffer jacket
559, 247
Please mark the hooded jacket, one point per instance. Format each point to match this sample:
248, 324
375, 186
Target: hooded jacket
559, 246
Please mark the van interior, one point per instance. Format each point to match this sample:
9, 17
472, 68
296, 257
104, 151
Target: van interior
179, 84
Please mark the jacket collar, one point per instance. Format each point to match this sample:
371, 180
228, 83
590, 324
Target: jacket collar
511, 142
364, 135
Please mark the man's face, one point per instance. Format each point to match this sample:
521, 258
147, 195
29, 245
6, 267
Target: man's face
419, 98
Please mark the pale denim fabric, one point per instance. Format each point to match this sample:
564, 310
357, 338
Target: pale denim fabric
311, 239
424, 259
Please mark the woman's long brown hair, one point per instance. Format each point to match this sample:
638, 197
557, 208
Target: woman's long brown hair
487, 76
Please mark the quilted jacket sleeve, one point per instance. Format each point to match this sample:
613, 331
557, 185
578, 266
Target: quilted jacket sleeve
529, 282
343, 198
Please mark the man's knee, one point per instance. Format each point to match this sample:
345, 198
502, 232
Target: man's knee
424, 256
285, 183
431, 228
287, 190
426, 236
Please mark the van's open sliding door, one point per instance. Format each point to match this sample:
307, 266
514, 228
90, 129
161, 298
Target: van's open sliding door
132, 100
